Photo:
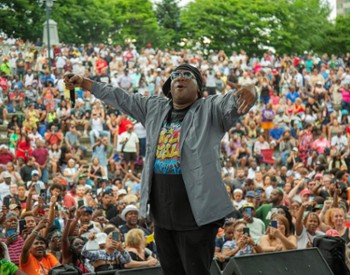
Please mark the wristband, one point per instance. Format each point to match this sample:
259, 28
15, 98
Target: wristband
36, 233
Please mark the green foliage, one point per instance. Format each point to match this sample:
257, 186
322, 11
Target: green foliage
287, 25
168, 18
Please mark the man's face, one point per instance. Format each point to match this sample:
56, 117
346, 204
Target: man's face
106, 199
55, 192
275, 196
11, 223
184, 90
85, 218
30, 222
38, 248
21, 191
132, 217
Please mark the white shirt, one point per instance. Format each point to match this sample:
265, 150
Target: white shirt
130, 145
339, 142
4, 191
139, 130
306, 237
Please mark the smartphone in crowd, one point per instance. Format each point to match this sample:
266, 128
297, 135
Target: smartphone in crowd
10, 232
6, 201
248, 211
246, 231
274, 223
116, 236
22, 226
80, 203
37, 189
91, 226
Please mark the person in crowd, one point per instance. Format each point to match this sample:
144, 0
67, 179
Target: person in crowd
335, 218
110, 258
135, 244
278, 237
6, 266
34, 259
242, 243
306, 228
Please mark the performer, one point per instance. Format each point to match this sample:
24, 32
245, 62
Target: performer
181, 177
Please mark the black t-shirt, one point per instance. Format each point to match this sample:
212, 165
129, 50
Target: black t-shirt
170, 206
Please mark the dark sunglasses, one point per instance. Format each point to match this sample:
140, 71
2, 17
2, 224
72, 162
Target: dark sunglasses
186, 74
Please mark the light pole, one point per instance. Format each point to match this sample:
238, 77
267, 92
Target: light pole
49, 4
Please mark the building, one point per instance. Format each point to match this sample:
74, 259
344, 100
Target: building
343, 7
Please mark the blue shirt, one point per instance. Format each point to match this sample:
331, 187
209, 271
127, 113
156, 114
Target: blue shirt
276, 133
292, 96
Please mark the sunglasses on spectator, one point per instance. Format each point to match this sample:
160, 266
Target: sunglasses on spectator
187, 75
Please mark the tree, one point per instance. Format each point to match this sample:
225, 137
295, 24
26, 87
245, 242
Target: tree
21, 18
301, 25
229, 25
134, 20
168, 18
338, 38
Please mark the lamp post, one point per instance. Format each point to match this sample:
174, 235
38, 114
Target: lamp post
49, 4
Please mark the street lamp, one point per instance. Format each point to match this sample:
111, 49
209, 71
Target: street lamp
49, 4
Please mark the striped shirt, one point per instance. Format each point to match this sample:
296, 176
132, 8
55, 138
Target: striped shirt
15, 249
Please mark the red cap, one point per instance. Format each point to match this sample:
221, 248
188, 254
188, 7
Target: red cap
305, 192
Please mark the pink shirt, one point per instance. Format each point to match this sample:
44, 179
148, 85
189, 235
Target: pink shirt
41, 155
320, 144
346, 95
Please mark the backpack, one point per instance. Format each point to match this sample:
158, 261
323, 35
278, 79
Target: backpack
65, 269
333, 251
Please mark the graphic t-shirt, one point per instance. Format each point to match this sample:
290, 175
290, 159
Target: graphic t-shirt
168, 153
170, 205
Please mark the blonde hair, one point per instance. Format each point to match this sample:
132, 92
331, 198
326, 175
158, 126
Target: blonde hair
134, 238
329, 214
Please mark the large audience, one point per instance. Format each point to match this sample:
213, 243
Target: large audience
70, 166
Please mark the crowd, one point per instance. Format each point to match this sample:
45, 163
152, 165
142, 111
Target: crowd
71, 168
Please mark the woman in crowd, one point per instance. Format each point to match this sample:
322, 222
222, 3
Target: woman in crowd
113, 127
114, 256
242, 244
96, 171
334, 218
54, 157
280, 238
306, 228
12, 170
34, 259
71, 172
13, 124
135, 244
23, 149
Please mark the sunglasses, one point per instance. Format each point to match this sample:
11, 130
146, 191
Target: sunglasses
186, 75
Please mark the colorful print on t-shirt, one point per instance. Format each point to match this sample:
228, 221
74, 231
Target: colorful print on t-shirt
168, 153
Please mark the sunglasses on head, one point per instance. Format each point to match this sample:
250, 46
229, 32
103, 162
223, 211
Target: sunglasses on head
185, 74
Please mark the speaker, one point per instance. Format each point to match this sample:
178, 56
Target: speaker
302, 261
156, 270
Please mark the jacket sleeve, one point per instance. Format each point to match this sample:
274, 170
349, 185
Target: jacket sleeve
225, 109
134, 105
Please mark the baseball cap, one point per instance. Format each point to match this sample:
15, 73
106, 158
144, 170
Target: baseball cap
35, 172
248, 205
250, 194
122, 192
6, 175
305, 192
